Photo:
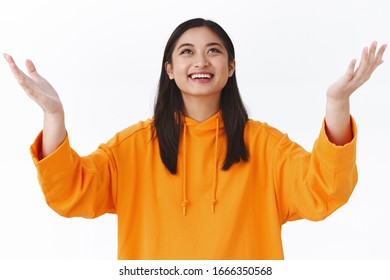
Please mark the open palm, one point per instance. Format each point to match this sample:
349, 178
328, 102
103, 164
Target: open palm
36, 86
353, 79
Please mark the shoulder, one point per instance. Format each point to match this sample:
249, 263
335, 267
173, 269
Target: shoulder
255, 129
142, 130
271, 141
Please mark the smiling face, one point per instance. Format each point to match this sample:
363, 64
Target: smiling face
200, 64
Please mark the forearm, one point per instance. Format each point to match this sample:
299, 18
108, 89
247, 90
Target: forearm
313, 185
338, 121
54, 132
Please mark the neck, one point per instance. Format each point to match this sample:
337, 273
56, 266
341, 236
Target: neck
200, 108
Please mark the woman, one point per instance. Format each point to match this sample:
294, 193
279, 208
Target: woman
200, 180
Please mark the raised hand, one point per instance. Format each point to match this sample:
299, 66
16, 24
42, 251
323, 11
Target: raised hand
36, 86
338, 123
43, 93
353, 79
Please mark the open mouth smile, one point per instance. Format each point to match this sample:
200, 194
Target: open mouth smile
201, 76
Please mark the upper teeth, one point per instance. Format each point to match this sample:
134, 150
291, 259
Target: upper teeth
201, 76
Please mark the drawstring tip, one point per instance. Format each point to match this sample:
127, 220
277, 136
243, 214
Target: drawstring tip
184, 205
213, 206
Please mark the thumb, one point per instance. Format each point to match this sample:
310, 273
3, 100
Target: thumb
351, 69
31, 69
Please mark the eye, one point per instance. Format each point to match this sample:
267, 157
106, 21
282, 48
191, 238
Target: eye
214, 50
186, 51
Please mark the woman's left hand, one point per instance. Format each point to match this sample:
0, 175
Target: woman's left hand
337, 119
353, 79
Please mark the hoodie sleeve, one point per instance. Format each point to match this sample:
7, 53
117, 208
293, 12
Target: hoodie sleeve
313, 185
74, 185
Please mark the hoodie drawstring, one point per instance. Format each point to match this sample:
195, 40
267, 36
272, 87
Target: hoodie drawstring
184, 190
215, 181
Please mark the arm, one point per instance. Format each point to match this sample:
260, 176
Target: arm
76, 186
337, 118
312, 185
72, 185
43, 93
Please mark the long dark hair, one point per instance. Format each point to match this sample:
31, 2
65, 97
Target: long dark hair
169, 105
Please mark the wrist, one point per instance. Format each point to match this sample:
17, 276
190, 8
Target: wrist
58, 115
337, 103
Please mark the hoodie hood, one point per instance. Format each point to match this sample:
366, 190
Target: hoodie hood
200, 145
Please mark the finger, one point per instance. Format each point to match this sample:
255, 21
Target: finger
351, 70
10, 60
362, 68
371, 53
23, 80
373, 47
19, 75
376, 61
31, 69
379, 55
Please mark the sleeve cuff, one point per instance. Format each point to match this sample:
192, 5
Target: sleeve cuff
56, 162
344, 155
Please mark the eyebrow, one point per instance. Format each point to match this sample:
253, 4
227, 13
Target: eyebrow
208, 45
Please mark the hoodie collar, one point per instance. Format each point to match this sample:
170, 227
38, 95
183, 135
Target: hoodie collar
206, 125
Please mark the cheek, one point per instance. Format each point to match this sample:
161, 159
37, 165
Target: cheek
179, 71
180, 76
224, 71
222, 65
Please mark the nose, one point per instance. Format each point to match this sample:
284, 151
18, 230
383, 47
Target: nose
201, 61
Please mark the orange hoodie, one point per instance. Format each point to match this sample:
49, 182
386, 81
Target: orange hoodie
202, 212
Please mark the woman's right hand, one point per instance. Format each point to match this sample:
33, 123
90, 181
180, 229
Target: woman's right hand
36, 87
44, 94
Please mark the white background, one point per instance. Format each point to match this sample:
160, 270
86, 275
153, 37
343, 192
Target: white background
104, 59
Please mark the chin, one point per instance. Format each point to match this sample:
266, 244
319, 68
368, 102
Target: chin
202, 94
